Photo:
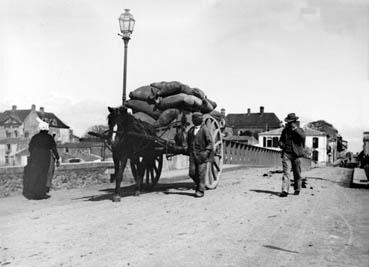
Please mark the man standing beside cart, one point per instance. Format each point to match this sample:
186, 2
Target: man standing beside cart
200, 148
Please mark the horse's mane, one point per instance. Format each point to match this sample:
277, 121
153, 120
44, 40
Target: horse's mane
127, 122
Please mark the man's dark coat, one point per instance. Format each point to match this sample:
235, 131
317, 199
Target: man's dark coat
293, 140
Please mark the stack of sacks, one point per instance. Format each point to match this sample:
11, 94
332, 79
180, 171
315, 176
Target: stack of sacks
160, 103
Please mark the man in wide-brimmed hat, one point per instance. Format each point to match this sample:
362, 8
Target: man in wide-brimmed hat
200, 147
292, 142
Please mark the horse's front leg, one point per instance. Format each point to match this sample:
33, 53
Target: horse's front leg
119, 178
140, 174
116, 160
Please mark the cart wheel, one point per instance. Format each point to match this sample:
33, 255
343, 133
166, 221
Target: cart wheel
147, 167
214, 168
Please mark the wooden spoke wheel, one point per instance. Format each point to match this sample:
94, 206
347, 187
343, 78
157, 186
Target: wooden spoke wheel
147, 167
214, 168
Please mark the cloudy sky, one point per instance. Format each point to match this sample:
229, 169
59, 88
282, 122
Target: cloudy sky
307, 57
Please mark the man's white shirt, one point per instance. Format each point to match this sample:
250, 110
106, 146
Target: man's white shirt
196, 129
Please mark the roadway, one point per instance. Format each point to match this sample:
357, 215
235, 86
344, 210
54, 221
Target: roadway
242, 223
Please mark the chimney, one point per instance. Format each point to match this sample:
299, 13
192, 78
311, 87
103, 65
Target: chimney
42, 110
248, 111
33, 107
261, 110
223, 112
14, 107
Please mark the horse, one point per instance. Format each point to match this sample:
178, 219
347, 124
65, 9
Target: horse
127, 146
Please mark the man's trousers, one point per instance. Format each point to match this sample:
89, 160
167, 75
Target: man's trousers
289, 160
197, 172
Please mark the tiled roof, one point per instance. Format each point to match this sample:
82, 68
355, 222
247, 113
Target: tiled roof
21, 114
308, 132
253, 120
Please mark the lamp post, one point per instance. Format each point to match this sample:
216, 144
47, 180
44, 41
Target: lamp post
126, 23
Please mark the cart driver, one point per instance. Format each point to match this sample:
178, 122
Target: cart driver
200, 147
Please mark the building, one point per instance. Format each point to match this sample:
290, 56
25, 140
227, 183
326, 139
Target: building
336, 145
316, 143
17, 126
250, 124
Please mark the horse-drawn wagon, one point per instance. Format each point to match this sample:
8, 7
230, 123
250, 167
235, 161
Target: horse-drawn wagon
145, 145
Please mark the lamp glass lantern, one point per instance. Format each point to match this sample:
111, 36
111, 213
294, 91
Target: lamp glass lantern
126, 23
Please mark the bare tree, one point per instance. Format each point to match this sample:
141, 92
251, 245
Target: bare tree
100, 129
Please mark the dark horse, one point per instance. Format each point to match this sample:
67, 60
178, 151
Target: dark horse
128, 143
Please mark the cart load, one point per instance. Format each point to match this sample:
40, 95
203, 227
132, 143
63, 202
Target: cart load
160, 103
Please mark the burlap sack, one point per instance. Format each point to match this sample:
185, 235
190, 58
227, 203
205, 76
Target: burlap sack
167, 117
206, 106
142, 106
144, 93
180, 101
171, 88
144, 117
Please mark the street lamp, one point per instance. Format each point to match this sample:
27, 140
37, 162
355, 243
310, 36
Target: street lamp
126, 23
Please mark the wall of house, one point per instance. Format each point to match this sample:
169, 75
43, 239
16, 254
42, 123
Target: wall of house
5, 152
31, 124
321, 150
261, 141
322, 147
62, 135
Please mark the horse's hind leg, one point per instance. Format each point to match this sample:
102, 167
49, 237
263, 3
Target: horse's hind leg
119, 178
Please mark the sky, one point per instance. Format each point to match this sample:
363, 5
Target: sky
310, 57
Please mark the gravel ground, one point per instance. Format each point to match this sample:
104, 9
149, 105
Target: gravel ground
242, 223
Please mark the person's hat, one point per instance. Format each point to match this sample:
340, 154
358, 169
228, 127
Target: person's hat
42, 126
197, 116
291, 117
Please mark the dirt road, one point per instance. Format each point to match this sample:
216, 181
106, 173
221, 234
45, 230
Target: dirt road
241, 223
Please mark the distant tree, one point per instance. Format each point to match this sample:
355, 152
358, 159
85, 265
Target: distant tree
96, 129
325, 127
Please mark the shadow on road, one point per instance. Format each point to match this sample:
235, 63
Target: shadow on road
265, 192
129, 190
281, 249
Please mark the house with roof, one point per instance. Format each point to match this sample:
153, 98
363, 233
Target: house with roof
250, 123
316, 143
17, 126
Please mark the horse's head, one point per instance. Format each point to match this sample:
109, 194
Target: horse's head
116, 116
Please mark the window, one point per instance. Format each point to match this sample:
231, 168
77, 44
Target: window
275, 141
316, 155
6, 159
315, 142
26, 134
8, 146
8, 134
15, 133
66, 150
269, 142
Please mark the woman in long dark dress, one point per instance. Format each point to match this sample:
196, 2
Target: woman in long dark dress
36, 171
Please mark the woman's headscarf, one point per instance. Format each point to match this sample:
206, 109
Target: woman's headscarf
42, 126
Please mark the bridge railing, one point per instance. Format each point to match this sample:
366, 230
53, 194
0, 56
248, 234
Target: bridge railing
239, 153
